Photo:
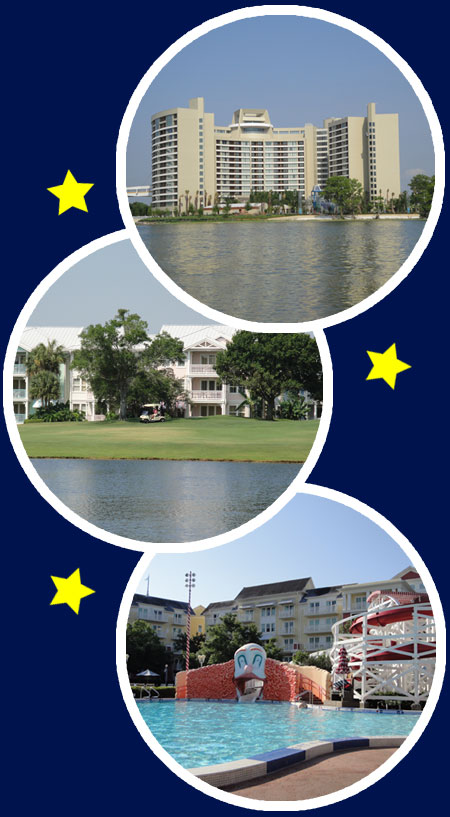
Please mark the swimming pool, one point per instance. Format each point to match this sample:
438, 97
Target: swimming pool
202, 733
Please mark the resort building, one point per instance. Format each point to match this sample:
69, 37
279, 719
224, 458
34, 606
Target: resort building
198, 163
300, 616
207, 396
167, 618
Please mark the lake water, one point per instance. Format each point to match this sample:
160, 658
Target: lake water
281, 271
166, 501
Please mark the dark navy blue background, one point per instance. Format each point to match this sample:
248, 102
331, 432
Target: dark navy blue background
69, 75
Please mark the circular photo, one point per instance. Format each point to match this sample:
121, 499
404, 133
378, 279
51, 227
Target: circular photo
287, 665
142, 421
287, 188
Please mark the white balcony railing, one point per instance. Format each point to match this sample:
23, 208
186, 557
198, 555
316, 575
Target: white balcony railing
286, 614
150, 617
20, 418
201, 368
266, 636
286, 633
199, 396
318, 628
323, 610
20, 368
19, 394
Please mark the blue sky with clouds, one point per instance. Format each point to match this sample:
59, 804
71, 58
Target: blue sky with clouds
301, 70
310, 536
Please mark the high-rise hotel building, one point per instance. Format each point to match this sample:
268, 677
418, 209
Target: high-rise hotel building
196, 162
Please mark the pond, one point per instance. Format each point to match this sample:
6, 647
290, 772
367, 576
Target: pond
166, 501
281, 271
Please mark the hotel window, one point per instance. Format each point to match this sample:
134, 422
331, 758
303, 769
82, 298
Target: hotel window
177, 616
267, 611
313, 605
142, 612
314, 642
288, 642
268, 627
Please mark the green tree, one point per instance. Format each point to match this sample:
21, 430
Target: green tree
43, 364
346, 194
268, 364
116, 356
422, 189
305, 659
145, 650
196, 645
44, 386
224, 638
294, 408
273, 650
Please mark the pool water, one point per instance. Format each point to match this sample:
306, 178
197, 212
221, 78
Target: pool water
198, 733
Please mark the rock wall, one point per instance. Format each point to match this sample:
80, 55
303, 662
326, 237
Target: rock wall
216, 681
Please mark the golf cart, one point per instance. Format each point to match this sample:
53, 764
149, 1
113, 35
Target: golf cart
152, 413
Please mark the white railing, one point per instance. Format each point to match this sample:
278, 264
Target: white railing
202, 368
20, 418
154, 619
286, 614
19, 394
322, 610
206, 395
266, 636
20, 368
286, 633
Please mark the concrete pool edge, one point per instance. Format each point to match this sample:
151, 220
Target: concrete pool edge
238, 771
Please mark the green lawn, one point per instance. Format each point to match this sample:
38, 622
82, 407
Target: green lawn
210, 438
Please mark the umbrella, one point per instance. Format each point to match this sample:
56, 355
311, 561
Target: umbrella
148, 672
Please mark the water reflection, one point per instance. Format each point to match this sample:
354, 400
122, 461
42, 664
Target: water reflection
165, 501
285, 271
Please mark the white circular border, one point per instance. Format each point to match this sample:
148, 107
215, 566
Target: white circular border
327, 799
299, 11
100, 533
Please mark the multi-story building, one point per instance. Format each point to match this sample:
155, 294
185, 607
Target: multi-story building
195, 162
366, 148
300, 616
168, 619
73, 387
207, 395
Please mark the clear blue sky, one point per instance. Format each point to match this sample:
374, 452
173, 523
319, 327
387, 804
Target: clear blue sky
301, 70
311, 536
113, 277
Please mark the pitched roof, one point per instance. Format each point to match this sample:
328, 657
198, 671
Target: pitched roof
168, 604
191, 335
321, 591
216, 604
66, 336
275, 587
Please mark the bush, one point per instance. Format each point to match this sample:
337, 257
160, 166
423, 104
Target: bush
57, 413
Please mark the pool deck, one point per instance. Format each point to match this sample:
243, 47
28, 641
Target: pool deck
260, 765
316, 777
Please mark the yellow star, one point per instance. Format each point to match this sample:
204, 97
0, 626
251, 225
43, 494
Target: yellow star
70, 194
386, 366
70, 591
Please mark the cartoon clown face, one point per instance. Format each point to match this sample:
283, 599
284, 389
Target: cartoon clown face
249, 662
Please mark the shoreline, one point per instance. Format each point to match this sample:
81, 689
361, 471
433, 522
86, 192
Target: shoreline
293, 217
164, 459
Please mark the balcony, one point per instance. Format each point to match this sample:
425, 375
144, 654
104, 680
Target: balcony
151, 617
19, 394
20, 418
202, 368
203, 396
267, 636
20, 368
318, 628
286, 633
286, 614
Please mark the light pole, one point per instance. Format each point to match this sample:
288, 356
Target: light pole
189, 582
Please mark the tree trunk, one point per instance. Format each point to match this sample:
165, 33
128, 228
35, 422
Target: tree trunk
123, 405
270, 408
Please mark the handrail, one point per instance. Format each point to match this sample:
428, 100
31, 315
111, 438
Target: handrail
311, 686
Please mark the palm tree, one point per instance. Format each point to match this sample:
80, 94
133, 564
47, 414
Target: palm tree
186, 199
43, 369
45, 358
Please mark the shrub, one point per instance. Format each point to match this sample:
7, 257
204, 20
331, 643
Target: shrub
57, 413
